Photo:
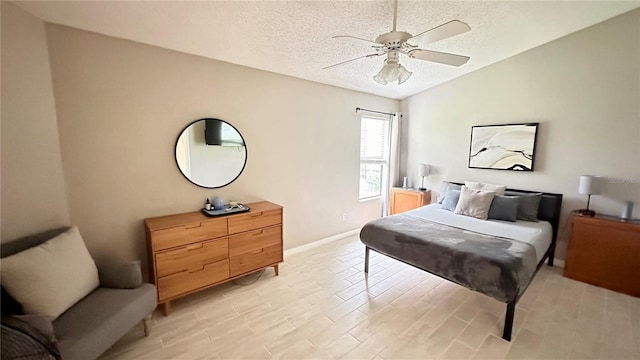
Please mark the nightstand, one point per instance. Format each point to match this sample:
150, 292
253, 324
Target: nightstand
407, 199
605, 251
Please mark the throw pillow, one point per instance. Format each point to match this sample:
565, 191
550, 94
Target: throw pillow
498, 189
504, 208
446, 186
528, 205
49, 278
451, 200
474, 203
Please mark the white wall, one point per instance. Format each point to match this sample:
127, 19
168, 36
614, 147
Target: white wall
121, 106
584, 89
33, 189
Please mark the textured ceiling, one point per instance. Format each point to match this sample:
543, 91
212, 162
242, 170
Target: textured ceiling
294, 37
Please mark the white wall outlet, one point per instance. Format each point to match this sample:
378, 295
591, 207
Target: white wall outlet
344, 216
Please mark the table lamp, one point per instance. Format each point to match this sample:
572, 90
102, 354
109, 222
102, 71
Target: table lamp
590, 185
423, 171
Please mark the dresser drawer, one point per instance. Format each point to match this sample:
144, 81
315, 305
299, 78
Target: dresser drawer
255, 240
191, 256
254, 220
186, 281
188, 233
255, 260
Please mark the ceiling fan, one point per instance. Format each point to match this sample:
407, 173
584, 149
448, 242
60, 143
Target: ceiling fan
394, 43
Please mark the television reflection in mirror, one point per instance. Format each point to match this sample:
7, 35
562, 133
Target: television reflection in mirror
220, 133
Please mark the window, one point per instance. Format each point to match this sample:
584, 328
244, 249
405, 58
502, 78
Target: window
374, 156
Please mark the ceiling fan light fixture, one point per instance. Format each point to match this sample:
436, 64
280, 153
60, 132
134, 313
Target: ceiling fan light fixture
392, 71
395, 43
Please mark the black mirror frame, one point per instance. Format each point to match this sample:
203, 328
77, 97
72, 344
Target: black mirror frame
246, 150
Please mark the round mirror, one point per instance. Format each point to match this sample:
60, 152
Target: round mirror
211, 153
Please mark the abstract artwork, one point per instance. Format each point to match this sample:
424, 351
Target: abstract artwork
503, 147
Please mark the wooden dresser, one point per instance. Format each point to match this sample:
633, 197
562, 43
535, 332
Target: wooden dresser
189, 252
605, 252
408, 199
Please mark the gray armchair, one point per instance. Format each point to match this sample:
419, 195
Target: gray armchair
97, 321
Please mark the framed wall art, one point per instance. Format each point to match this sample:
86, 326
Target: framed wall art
503, 147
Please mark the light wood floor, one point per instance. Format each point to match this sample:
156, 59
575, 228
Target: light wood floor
322, 306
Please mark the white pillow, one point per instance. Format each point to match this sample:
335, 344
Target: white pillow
475, 203
498, 189
49, 278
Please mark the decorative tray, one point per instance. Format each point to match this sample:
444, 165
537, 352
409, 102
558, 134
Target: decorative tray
227, 210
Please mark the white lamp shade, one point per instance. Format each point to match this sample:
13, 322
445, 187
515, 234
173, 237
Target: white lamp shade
423, 170
591, 185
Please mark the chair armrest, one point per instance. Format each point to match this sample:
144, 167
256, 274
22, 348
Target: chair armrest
120, 276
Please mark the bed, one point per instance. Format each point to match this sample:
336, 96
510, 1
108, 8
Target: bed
493, 257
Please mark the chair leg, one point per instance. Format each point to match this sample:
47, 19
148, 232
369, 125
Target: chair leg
366, 259
147, 325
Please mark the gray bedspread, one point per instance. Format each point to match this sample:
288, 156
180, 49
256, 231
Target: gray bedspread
498, 267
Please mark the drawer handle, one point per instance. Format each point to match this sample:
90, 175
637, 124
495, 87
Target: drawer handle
193, 227
256, 214
259, 251
258, 232
194, 247
191, 271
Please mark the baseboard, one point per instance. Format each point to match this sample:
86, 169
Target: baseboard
320, 242
559, 263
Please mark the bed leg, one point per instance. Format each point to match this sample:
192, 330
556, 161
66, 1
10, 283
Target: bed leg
508, 321
552, 254
366, 259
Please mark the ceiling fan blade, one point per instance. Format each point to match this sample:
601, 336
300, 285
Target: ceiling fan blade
439, 57
356, 40
446, 30
348, 61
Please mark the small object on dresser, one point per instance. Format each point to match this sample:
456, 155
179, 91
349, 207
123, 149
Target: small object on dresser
405, 182
226, 210
218, 203
207, 205
423, 171
627, 210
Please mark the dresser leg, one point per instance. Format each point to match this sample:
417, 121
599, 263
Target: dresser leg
166, 308
275, 268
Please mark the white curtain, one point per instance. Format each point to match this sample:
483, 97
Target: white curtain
394, 160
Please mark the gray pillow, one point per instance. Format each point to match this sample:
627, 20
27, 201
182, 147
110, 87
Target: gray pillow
451, 200
446, 186
504, 208
528, 206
